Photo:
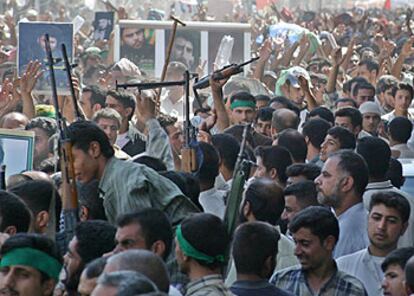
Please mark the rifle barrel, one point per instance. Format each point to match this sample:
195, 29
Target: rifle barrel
150, 85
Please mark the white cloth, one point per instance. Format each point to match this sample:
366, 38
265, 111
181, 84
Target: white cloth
353, 236
174, 292
212, 201
404, 149
366, 268
407, 239
175, 109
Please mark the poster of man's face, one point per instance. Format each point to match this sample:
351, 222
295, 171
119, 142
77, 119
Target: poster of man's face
214, 39
32, 46
103, 25
138, 46
186, 48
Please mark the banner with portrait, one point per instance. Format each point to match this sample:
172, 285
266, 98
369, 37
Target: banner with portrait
145, 43
32, 47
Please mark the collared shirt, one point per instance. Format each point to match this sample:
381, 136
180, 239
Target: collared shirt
175, 109
353, 235
257, 288
340, 284
407, 239
208, 285
366, 268
127, 187
212, 201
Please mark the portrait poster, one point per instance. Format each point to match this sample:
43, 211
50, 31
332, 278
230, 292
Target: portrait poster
16, 150
32, 47
137, 44
186, 48
103, 25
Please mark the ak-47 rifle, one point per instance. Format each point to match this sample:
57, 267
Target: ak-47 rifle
65, 146
68, 69
222, 73
189, 163
240, 175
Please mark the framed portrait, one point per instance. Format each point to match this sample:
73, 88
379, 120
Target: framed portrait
32, 47
16, 150
194, 43
103, 25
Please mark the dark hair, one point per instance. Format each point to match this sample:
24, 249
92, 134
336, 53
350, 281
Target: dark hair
316, 129
154, 163
34, 241
98, 95
264, 114
166, 120
275, 157
82, 133
188, 184
309, 170
96, 267
288, 104
13, 212
253, 244
295, 143
386, 82
305, 193
126, 99
242, 96
352, 113
209, 168
48, 125
403, 86
323, 113
354, 165
363, 86
395, 173
344, 136
266, 200
154, 225
88, 194
377, 154
95, 238
400, 129
228, 148
399, 256
207, 234
319, 220
345, 100
393, 200
262, 98
370, 64
347, 87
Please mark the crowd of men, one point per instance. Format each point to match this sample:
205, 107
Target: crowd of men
323, 211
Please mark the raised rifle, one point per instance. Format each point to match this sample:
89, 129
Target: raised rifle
222, 73
70, 194
240, 175
68, 69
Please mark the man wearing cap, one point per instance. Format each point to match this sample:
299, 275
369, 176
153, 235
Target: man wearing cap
201, 243
371, 118
30, 266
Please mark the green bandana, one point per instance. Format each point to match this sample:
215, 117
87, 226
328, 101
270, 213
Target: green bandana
34, 258
239, 103
190, 251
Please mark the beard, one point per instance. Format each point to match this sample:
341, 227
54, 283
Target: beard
332, 200
8, 292
72, 281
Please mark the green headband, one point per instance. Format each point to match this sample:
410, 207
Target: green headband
239, 103
192, 252
34, 258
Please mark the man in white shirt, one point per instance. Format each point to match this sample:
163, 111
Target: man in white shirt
211, 199
387, 221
